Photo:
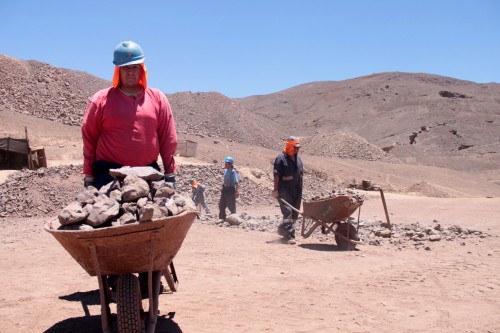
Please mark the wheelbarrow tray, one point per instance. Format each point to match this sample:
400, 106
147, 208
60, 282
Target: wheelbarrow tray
128, 248
330, 210
328, 213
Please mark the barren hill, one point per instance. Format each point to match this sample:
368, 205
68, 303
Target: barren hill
417, 118
41, 90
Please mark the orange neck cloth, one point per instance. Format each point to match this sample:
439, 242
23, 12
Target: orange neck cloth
195, 183
143, 81
290, 147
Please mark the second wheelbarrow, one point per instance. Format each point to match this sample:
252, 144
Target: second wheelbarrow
332, 215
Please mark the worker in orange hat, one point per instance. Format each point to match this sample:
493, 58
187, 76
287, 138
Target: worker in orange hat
198, 195
288, 183
129, 123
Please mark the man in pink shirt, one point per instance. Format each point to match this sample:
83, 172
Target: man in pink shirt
128, 124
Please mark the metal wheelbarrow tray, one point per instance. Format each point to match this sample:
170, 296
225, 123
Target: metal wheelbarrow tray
123, 250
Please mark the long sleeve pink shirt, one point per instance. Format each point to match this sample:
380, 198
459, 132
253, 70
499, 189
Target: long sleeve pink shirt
128, 130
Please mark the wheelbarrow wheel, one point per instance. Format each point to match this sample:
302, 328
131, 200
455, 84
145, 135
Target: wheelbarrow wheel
129, 304
347, 230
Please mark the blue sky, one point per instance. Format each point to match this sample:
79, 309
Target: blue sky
242, 48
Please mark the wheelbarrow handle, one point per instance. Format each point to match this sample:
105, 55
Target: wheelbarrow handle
286, 203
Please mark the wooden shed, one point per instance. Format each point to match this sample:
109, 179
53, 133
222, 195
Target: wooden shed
186, 148
16, 154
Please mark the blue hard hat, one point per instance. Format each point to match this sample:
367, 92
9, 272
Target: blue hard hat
128, 53
229, 159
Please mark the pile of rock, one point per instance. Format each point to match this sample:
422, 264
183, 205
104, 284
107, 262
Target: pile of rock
416, 235
137, 195
355, 197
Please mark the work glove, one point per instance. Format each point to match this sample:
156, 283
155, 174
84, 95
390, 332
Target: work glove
88, 181
276, 194
170, 178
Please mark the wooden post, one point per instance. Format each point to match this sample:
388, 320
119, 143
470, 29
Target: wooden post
28, 151
385, 208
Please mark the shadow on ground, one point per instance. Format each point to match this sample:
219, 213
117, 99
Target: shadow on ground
88, 323
92, 324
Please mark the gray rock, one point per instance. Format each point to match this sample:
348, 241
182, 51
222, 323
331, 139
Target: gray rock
86, 197
72, 213
134, 188
172, 207
145, 173
233, 219
384, 233
103, 211
146, 213
435, 238
76, 227
164, 192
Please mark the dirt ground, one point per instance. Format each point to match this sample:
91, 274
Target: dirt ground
232, 280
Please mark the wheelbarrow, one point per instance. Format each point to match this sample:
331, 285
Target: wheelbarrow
122, 251
332, 215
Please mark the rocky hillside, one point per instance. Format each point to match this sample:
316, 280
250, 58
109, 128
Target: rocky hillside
217, 116
38, 89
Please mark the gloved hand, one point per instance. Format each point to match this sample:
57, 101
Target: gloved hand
170, 178
276, 194
88, 181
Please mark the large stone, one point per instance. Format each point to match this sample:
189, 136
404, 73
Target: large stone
103, 210
72, 213
146, 212
233, 219
384, 233
172, 207
164, 192
134, 188
127, 218
146, 173
86, 197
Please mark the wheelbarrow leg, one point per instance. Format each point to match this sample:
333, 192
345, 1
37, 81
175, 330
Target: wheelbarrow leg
171, 277
105, 298
103, 292
154, 294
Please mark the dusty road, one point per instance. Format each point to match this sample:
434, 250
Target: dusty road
232, 280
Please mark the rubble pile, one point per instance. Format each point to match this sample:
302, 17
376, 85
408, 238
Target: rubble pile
416, 235
355, 197
346, 145
137, 195
41, 192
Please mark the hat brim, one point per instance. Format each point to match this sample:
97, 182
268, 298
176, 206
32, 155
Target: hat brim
135, 62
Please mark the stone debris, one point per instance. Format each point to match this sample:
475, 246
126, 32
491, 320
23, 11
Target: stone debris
46, 192
415, 235
130, 198
355, 197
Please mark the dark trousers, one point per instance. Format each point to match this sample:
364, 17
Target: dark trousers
227, 200
294, 197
